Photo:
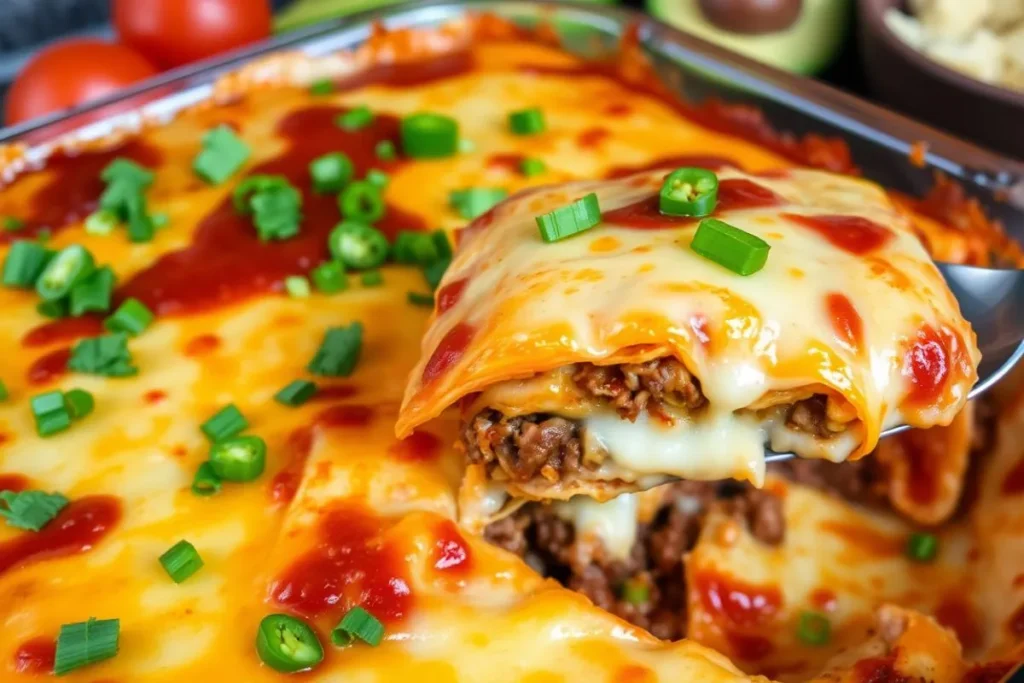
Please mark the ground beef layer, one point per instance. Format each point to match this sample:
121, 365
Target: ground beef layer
649, 587
543, 446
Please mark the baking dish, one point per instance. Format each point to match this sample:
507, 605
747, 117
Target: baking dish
881, 141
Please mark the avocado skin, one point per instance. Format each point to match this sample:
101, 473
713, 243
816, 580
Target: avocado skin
807, 47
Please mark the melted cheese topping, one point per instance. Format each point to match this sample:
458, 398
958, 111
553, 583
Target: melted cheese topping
345, 513
631, 290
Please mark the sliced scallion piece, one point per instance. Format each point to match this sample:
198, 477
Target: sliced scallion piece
361, 201
206, 482
296, 393
566, 221
50, 412
814, 629
358, 623
93, 294
922, 547
355, 119
107, 356
527, 121
297, 286
357, 245
102, 222
181, 561
80, 403
85, 643
225, 423
53, 309
730, 247
429, 136
223, 154
331, 172
385, 150
635, 591
475, 201
4, 394
418, 299
329, 277
132, 317
323, 86
433, 272
371, 278
378, 178
11, 224
532, 167
339, 351
417, 248
30, 510
24, 264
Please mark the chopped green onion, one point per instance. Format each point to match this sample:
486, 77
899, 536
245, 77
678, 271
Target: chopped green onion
532, 167
223, 154
417, 248
297, 286
385, 150
239, 458
444, 247
4, 394
206, 482
355, 119
566, 221
287, 644
361, 201
53, 309
371, 278
730, 247
160, 220
378, 178
24, 263
323, 86
107, 356
225, 423
93, 293
85, 643
358, 623
689, 192
123, 170
814, 629
418, 299
50, 412
331, 172
435, 271
329, 277
429, 136
922, 547
339, 351
132, 317
277, 211
102, 222
70, 266
475, 201
80, 403
43, 236
357, 245
30, 510
466, 146
527, 121
635, 591
296, 393
181, 561
12, 224
140, 223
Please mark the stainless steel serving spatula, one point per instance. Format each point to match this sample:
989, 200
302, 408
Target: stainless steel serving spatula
992, 300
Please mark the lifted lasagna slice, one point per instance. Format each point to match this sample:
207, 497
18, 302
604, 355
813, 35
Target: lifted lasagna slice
619, 357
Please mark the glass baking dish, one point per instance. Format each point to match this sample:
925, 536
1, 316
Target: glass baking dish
881, 142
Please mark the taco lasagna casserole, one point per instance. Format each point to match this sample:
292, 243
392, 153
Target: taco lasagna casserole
209, 323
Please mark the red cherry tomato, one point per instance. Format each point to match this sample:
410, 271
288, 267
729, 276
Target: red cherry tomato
176, 32
72, 72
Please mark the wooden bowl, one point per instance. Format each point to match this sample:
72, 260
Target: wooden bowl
908, 80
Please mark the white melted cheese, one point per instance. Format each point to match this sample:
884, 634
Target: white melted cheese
613, 522
720, 445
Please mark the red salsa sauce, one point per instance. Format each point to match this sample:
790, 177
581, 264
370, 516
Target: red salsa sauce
846, 322
226, 261
47, 368
355, 415
451, 554
63, 330
934, 358
448, 352
417, 447
285, 484
351, 564
733, 194
854, 234
738, 602
35, 656
449, 295
77, 528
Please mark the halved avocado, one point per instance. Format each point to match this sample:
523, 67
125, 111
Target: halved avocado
305, 12
806, 47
